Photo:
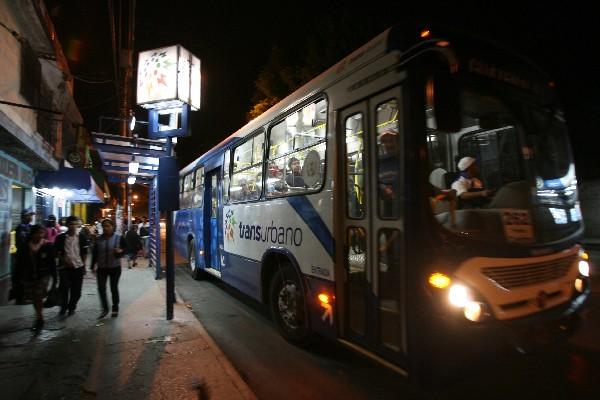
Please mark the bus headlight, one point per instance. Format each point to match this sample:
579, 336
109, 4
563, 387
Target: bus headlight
579, 285
473, 311
584, 268
459, 295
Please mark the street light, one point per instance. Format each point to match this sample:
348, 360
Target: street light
134, 166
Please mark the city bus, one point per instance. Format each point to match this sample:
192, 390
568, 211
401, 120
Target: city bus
340, 207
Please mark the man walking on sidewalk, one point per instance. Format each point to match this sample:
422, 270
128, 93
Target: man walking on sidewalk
71, 249
106, 263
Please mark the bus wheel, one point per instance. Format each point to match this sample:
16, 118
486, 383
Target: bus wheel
196, 272
287, 304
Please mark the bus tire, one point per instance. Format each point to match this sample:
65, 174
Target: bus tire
197, 273
288, 304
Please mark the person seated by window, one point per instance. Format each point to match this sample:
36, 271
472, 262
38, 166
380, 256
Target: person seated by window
243, 193
468, 186
275, 183
294, 177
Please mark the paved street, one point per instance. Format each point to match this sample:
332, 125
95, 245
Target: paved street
271, 366
222, 344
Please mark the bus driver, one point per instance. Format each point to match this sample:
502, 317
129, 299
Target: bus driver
468, 186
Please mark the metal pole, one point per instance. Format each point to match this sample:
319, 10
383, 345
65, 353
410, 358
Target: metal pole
170, 256
129, 210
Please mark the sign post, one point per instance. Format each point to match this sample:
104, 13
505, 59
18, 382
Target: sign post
168, 85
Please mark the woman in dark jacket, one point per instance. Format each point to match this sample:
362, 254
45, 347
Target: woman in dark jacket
106, 262
36, 264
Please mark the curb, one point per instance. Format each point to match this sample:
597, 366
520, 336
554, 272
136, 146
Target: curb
230, 370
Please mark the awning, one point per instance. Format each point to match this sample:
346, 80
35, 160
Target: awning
75, 184
116, 152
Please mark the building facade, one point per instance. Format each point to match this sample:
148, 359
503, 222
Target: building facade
39, 120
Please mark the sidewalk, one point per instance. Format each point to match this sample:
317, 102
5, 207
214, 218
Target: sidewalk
138, 355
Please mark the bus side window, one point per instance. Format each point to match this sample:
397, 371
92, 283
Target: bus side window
247, 170
226, 171
199, 189
297, 148
187, 190
354, 166
388, 160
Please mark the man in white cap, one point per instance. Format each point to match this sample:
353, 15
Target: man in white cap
468, 186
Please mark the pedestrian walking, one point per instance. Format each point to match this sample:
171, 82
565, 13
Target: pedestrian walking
145, 235
21, 235
35, 263
106, 263
52, 228
134, 245
71, 250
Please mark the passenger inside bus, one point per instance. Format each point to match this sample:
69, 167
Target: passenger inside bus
247, 190
294, 177
275, 183
468, 186
388, 180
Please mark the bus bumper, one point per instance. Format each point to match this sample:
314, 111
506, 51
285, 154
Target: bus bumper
558, 323
523, 334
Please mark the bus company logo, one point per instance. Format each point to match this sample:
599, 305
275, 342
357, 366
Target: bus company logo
271, 234
229, 224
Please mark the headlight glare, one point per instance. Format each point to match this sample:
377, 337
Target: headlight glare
473, 311
459, 295
584, 268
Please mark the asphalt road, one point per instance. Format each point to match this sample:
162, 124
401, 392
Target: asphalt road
275, 369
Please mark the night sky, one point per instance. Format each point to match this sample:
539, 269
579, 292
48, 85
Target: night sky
234, 42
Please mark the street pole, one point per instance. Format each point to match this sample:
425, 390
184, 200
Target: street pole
129, 210
170, 256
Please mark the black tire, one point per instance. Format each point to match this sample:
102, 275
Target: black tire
197, 273
288, 305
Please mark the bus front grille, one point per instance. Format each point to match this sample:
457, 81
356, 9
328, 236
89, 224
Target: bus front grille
512, 276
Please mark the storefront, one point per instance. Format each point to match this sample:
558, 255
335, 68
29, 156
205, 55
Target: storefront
66, 192
16, 194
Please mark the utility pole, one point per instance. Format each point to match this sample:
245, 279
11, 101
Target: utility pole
123, 37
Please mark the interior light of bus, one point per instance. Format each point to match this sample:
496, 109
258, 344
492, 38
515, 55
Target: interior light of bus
473, 311
584, 268
579, 285
459, 295
439, 280
425, 33
443, 43
323, 298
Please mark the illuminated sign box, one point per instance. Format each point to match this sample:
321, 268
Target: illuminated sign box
168, 78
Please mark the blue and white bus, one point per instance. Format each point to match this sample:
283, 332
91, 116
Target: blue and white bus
339, 207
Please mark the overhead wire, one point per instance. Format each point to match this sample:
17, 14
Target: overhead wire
113, 37
93, 82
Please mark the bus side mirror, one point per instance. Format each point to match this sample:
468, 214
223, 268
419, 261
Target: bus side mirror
446, 103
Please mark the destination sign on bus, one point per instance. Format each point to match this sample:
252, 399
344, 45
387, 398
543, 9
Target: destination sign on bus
492, 71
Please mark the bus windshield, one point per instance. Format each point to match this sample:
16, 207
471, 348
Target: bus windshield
507, 176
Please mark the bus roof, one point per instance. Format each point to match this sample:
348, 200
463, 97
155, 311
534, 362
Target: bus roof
402, 38
375, 48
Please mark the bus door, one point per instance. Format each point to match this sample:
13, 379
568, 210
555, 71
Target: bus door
212, 219
373, 301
